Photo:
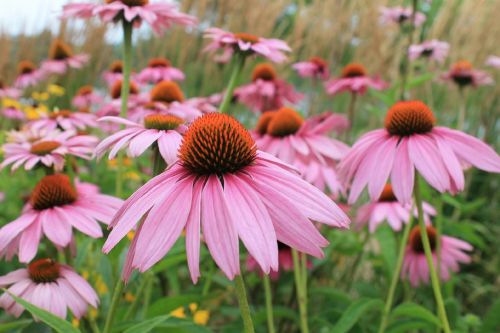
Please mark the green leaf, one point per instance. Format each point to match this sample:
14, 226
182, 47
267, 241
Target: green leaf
58, 324
387, 241
147, 325
418, 80
8, 327
168, 304
416, 311
354, 312
408, 325
491, 322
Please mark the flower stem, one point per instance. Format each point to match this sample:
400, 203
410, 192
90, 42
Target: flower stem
269, 304
117, 293
301, 292
430, 260
238, 63
395, 275
159, 164
243, 302
462, 111
406, 63
351, 110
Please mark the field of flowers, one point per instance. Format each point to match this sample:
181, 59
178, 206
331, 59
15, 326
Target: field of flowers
252, 166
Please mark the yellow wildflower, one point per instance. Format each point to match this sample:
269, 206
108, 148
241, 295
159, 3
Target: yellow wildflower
75, 322
129, 297
55, 90
11, 103
132, 175
131, 235
193, 307
178, 313
40, 96
201, 317
101, 286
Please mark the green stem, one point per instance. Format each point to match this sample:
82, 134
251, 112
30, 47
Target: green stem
430, 261
159, 164
406, 63
395, 276
269, 304
238, 63
301, 297
303, 268
208, 281
243, 302
138, 294
462, 111
148, 292
117, 293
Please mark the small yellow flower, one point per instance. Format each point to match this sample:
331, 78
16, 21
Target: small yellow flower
129, 297
93, 313
193, 307
112, 164
178, 313
132, 175
11, 103
55, 90
40, 96
85, 275
201, 317
101, 286
131, 235
75, 322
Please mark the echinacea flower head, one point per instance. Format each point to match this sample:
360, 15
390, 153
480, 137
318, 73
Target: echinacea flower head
433, 49
167, 92
61, 58
49, 150
56, 206
65, 120
354, 79
493, 61
305, 144
49, 285
463, 74
415, 267
401, 16
411, 141
388, 209
315, 67
12, 109
9, 92
28, 74
246, 44
266, 91
114, 73
86, 97
223, 187
162, 130
160, 69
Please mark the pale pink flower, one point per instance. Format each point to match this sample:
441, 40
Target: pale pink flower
54, 208
415, 267
388, 209
65, 119
303, 144
315, 67
9, 92
463, 74
85, 98
493, 61
49, 150
432, 49
223, 186
160, 69
28, 74
400, 15
12, 112
409, 141
266, 92
354, 79
50, 286
158, 129
61, 58
114, 73
247, 44
113, 107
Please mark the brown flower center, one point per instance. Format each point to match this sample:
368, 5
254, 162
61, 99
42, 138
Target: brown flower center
415, 240
216, 144
52, 191
353, 70
320, 62
167, 92
264, 72
263, 122
62, 113
116, 89
44, 271
44, 147
461, 66
387, 194
158, 63
116, 67
25, 67
85, 90
285, 122
462, 73
130, 3
409, 117
249, 38
162, 122
59, 50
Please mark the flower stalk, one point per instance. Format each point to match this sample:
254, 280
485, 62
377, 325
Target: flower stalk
243, 303
301, 292
269, 304
238, 63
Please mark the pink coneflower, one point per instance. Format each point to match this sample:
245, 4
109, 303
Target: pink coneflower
160, 69
244, 43
61, 58
50, 286
303, 144
64, 119
388, 208
54, 208
13, 112
113, 107
433, 49
415, 267
160, 16
28, 74
49, 150
114, 73
493, 61
85, 98
267, 92
158, 129
354, 79
463, 74
225, 187
409, 141
9, 92
400, 15
315, 67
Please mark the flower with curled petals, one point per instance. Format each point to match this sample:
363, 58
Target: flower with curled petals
354, 79
315, 67
28, 74
432, 49
463, 74
160, 69
64, 119
400, 15
85, 98
61, 58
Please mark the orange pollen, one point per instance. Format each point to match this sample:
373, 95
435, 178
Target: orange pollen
353, 70
249, 38
264, 72
162, 122
461, 66
116, 89
25, 67
85, 90
59, 50
216, 144
150, 106
116, 67
44, 271
158, 62
62, 113
387, 194
263, 122
415, 240
167, 92
131, 3
44, 147
320, 62
408, 118
285, 122
53, 191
